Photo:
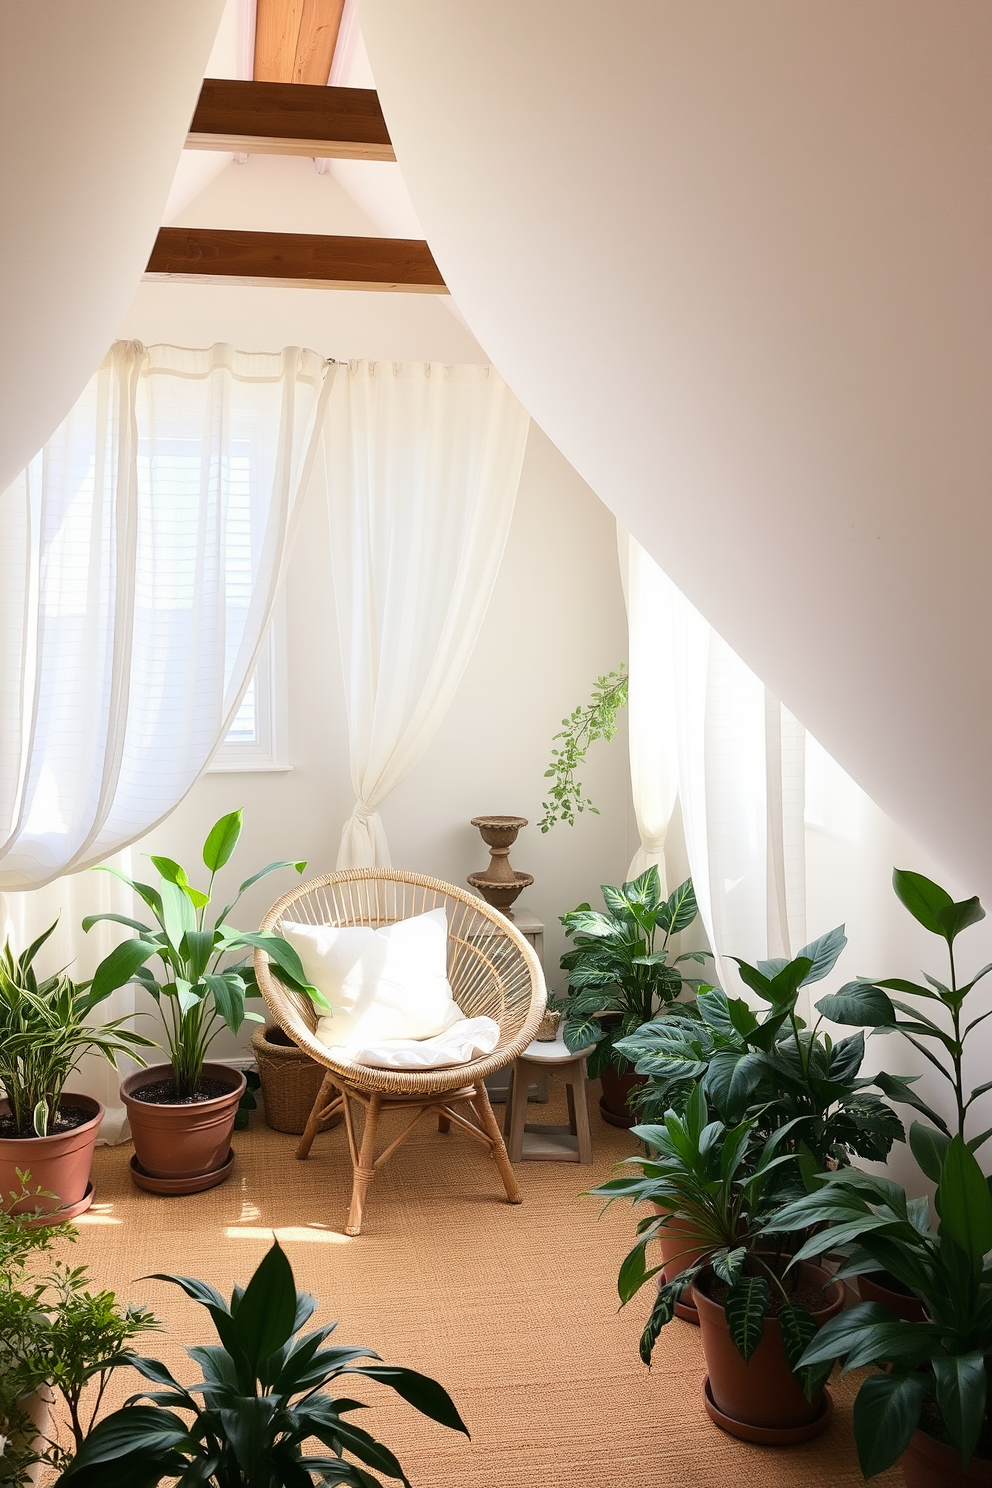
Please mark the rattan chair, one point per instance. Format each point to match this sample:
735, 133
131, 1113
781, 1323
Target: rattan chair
493, 971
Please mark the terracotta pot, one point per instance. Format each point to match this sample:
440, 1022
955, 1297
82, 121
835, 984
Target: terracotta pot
616, 1088
60, 1165
675, 1245
872, 1288
928, 1463
762, 1393
182, 1144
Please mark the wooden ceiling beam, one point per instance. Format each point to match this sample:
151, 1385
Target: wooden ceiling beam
295, 40
293, 260
289, 119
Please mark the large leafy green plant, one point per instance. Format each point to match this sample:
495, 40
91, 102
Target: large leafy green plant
198, 994
940, 1032
770, 1065
262, 1396
717, 1183
936, 1373
619, 972
44, 1032
55, 1332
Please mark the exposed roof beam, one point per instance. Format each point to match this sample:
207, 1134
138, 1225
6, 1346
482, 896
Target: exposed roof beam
295, 40
289, 119
294, 260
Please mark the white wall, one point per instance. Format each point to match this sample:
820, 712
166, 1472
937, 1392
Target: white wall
556, 622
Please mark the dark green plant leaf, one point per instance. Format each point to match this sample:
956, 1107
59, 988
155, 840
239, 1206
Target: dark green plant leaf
860, 1004
266, 1313
798, 1328
680, 909
962, 1390
824, 952
746, 1305
958, 917
898, 1088
922, 897
963, 1201
886, 1413
929, 1148
424, 1394
661, 1313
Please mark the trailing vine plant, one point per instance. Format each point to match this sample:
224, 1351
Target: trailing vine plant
597, 720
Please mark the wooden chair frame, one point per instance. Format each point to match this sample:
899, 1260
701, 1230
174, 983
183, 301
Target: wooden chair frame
493, 972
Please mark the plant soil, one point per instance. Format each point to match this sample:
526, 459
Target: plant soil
801, 1293
68, 1119
164, 1093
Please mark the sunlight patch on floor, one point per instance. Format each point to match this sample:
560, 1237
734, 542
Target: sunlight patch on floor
287, 1233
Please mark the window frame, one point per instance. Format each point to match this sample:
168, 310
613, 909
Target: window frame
269, 750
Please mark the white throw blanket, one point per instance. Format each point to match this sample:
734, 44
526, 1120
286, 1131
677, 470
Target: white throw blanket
468, 1039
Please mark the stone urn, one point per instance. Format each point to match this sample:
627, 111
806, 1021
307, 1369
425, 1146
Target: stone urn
500, 884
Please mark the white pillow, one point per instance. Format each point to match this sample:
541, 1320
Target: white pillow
382, 984
469, 1038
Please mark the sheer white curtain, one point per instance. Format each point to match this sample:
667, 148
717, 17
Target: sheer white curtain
140, 558
736, 757
422, 463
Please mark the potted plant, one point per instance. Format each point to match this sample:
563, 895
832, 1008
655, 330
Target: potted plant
770, 1064
756, 1314
619, 975
939, 1029
261, 1401
59, 1341
182, 1114
930, 1406
44, 1033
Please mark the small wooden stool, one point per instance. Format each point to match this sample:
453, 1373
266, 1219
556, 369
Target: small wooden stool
543, 1141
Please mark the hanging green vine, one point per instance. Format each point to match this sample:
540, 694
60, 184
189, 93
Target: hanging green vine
598, 720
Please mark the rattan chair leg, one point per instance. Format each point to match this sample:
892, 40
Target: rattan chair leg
313, 1124
491, 1125
443, 1124
364, 1168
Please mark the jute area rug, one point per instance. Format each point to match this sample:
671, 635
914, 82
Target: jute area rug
513, 1309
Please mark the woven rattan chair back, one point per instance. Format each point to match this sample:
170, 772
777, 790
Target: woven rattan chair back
493, 971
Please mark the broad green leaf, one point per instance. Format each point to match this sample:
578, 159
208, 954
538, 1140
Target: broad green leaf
221, 841
170, 870
963, 1201
886, 1413
424, 1394
136, 1428
897, 1088
824, 953
752, 977
923, 898
786, 983
590, 922
118, 919
959, 916
798, 1329
267, 1311
227, 1000
746, 1305
680, 909
120, 966
581, 1032
177, 914
929, 1148
837, 1337
962, 1389
860, 1004
846, 1058
144, 891
645, 890
633, 1272
661, 1313
198, 947
186, 994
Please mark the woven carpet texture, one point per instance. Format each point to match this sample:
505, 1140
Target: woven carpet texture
512, 1308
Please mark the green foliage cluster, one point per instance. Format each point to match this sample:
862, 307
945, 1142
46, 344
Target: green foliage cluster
55, 1333
44, 1033
771, 1065
582, 727
198, 993
723, 1184
619, 972
261, 1401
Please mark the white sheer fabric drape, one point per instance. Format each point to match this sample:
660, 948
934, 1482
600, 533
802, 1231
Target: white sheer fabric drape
140, 558
423, 463
736, 757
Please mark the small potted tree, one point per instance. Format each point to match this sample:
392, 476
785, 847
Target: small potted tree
45, 1127
182, 1114
757, 1314
619, 975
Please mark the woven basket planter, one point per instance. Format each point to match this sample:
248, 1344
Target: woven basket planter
290, 1079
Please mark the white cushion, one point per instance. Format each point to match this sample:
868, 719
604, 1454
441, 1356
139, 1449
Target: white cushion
469, 1038
382, 984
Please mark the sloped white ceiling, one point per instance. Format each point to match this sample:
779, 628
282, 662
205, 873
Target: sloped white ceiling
95, 101
735, 256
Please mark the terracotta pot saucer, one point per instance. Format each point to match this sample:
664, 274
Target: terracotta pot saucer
769, 1436
60, 1216
173, 1186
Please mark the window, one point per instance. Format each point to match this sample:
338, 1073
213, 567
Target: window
257, 738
